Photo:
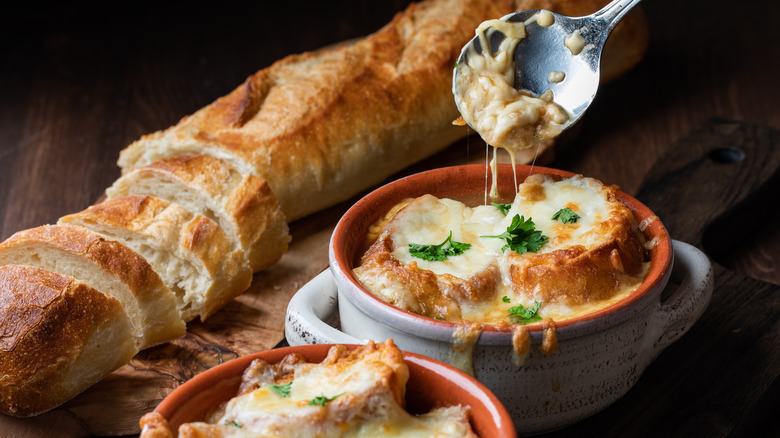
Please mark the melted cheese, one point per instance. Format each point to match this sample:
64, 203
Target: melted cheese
428, 220
362, 402
487, 100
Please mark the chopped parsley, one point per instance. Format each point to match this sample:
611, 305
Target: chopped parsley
232, 423
503, 208
521, 315
566, 216
438, 252
521, 236
505, 299
322, 400
281, 390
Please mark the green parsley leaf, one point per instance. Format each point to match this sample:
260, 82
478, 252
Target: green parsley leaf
233, 423
521, 315
438, 252
503, 208
505, 299
521, 236
566, 216
281, 390
321, 400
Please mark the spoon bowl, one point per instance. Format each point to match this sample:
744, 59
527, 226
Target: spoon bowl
569, 47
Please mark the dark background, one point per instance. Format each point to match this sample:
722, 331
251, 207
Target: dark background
78, 82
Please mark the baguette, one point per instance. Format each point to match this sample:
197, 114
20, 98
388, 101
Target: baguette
190, 252
60, 336
207, 201
242, 204
320, 127
105, 265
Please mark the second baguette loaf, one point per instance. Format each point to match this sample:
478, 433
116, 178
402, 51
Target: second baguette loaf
321, 127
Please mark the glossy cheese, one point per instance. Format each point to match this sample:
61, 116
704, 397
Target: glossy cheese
428, 220
359, 395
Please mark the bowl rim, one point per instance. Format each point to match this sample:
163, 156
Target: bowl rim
661, 256
230, 372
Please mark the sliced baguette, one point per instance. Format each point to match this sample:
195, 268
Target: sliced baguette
190, 252
105, 265
242, 204
320, 127
60, 336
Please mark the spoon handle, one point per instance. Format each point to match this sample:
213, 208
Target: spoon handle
614, 12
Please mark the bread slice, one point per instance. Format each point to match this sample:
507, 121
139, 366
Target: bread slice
105, 265
190, 252
323, 126
60, 336
242, 204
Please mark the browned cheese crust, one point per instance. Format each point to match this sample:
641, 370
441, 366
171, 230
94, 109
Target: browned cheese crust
59, 337
437, 295
577, 275
322, 126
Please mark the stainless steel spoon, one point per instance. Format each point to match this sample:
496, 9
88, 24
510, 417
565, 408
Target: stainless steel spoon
544, 51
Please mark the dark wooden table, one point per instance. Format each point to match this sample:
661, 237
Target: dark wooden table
79, 83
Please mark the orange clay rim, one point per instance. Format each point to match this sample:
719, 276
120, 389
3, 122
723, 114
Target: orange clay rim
468, 182
439, 383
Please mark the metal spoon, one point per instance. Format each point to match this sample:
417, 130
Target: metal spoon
544, 51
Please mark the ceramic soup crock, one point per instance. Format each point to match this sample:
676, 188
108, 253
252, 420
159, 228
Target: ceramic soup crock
431, 384
600, 356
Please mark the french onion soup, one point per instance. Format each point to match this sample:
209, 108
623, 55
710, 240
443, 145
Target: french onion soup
563, 248
351, 393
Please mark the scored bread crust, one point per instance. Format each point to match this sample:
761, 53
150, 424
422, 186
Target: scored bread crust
59, 337
320, 127
242, 204
190, 251
106, 265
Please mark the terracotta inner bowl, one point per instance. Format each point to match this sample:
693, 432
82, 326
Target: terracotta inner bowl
468, 184
431, 384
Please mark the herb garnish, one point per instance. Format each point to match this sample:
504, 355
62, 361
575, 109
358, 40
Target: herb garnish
505, 299
566, 216
521, 236
503, 208
321, 400
521, 315
281, 390
438, 252
233, 423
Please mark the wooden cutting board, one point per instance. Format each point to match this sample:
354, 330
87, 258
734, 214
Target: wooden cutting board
699, 182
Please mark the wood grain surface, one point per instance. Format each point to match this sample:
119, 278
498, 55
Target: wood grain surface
79, 82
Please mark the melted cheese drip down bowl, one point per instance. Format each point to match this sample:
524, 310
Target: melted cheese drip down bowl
599, 355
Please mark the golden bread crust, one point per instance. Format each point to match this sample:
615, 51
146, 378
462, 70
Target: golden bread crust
224, 269
55, 247
241, 203
49, 320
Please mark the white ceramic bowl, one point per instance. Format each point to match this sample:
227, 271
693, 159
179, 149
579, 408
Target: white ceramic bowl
600, 356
